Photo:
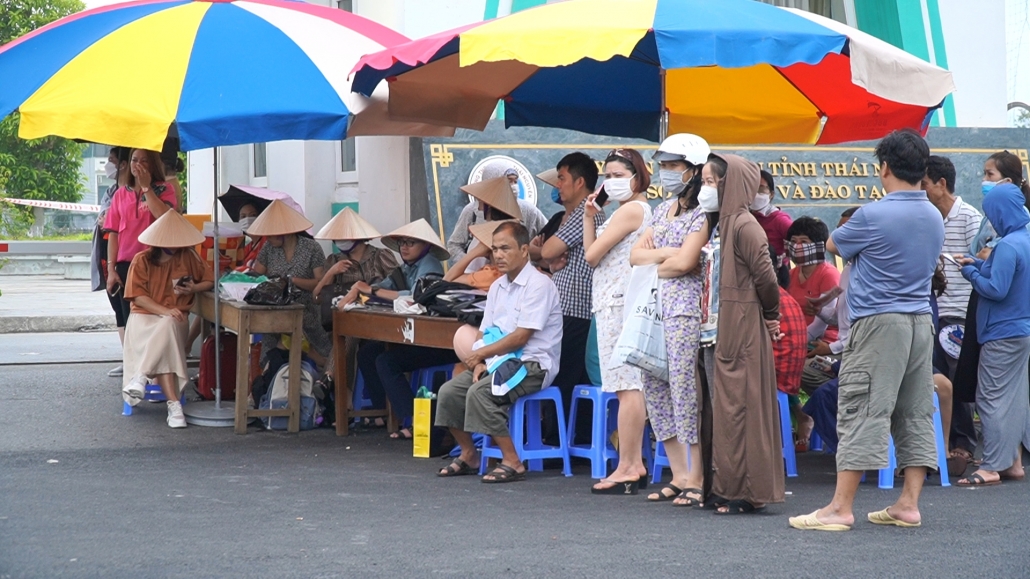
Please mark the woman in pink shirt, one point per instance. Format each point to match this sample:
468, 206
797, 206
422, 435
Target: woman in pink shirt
776, 223
133, 208
812, 276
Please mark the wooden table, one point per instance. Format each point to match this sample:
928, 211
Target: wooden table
385, 326
243, 320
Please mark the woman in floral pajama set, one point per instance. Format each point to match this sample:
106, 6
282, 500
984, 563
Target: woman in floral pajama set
679, 229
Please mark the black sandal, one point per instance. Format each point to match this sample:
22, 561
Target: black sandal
691, 501
505, 474
402, 434
662, 497
975, 480
457, 467
740, 507
713, 502
625, 487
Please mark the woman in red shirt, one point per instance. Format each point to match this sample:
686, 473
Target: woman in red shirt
813, 275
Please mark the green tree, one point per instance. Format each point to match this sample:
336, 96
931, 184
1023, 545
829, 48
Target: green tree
46, 168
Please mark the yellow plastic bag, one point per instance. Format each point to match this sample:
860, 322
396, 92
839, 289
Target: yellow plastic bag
422, 426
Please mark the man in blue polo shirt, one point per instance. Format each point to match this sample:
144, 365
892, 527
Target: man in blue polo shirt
886, 377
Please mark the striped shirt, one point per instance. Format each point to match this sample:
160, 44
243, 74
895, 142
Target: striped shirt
960, 228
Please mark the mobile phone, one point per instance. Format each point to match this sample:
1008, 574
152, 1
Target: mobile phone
950, 258
182, 281
601, 198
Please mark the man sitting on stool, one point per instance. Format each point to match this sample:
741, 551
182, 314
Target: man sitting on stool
523, 310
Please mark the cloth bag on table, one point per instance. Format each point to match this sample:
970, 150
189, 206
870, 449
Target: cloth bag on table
642, 341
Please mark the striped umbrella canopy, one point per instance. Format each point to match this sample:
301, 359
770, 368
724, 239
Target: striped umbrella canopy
223, 72
733, 71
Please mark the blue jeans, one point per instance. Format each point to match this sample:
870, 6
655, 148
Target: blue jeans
383, 370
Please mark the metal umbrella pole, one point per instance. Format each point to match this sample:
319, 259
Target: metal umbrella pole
208, 413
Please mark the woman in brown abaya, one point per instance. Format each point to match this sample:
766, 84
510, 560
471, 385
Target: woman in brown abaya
747, 461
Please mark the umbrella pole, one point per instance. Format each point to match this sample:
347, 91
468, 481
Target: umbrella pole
663, 122
217, 269
208, 413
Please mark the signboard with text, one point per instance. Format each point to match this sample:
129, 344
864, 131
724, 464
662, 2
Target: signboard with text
816, 181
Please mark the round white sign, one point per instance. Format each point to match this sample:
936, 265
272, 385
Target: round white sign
498, 164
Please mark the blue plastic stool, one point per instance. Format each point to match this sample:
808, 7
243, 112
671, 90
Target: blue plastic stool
605, 410
424, 376
150, 392
661, 462
815, 442
647, 452
361, 400
787, 437
887, 474
524, 425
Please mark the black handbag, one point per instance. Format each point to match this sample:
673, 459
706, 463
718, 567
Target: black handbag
278, 291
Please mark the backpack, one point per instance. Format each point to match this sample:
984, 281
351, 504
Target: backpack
277, 398
445, 298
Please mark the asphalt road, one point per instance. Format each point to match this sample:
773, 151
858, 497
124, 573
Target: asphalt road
85, 492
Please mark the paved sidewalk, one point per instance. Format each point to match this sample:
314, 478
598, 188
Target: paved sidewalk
50, 303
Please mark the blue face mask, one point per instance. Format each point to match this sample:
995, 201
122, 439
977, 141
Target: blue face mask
555, 196
986, 186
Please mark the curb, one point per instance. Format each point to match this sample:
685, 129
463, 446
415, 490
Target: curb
51, 324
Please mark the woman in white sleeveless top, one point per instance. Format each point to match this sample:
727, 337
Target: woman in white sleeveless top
607, 251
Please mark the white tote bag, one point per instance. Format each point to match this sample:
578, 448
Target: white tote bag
642, 341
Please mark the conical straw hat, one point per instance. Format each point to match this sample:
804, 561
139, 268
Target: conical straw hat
484, 232
347, 225
497, 193
420, 230
171, 230
549, 176
278, 219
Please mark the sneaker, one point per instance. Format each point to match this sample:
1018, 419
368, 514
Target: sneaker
134, 391
115, 372
176, 419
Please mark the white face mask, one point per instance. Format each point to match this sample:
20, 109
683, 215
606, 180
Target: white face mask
245, 223
708, 199
672, 181
111, 170
619, 188
761, 204
345, 246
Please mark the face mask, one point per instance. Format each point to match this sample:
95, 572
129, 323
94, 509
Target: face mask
245, 223
761, 203
672, 181
111, 170
806, 253
618, 188
345, 246
708, 199
986, 186
555, 196
168, 251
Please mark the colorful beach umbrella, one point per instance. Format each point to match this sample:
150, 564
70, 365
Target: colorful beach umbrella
224, 72
733, 71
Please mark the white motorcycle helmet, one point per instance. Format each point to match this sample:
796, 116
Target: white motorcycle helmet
683, 147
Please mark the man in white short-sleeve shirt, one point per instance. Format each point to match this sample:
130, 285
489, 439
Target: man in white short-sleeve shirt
522, 322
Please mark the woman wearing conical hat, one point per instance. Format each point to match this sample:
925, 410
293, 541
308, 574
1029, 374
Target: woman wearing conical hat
356, 261
161, 285
421, 252
476, 268
472, 213
289, 254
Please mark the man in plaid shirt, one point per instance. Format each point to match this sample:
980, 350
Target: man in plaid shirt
577, 177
